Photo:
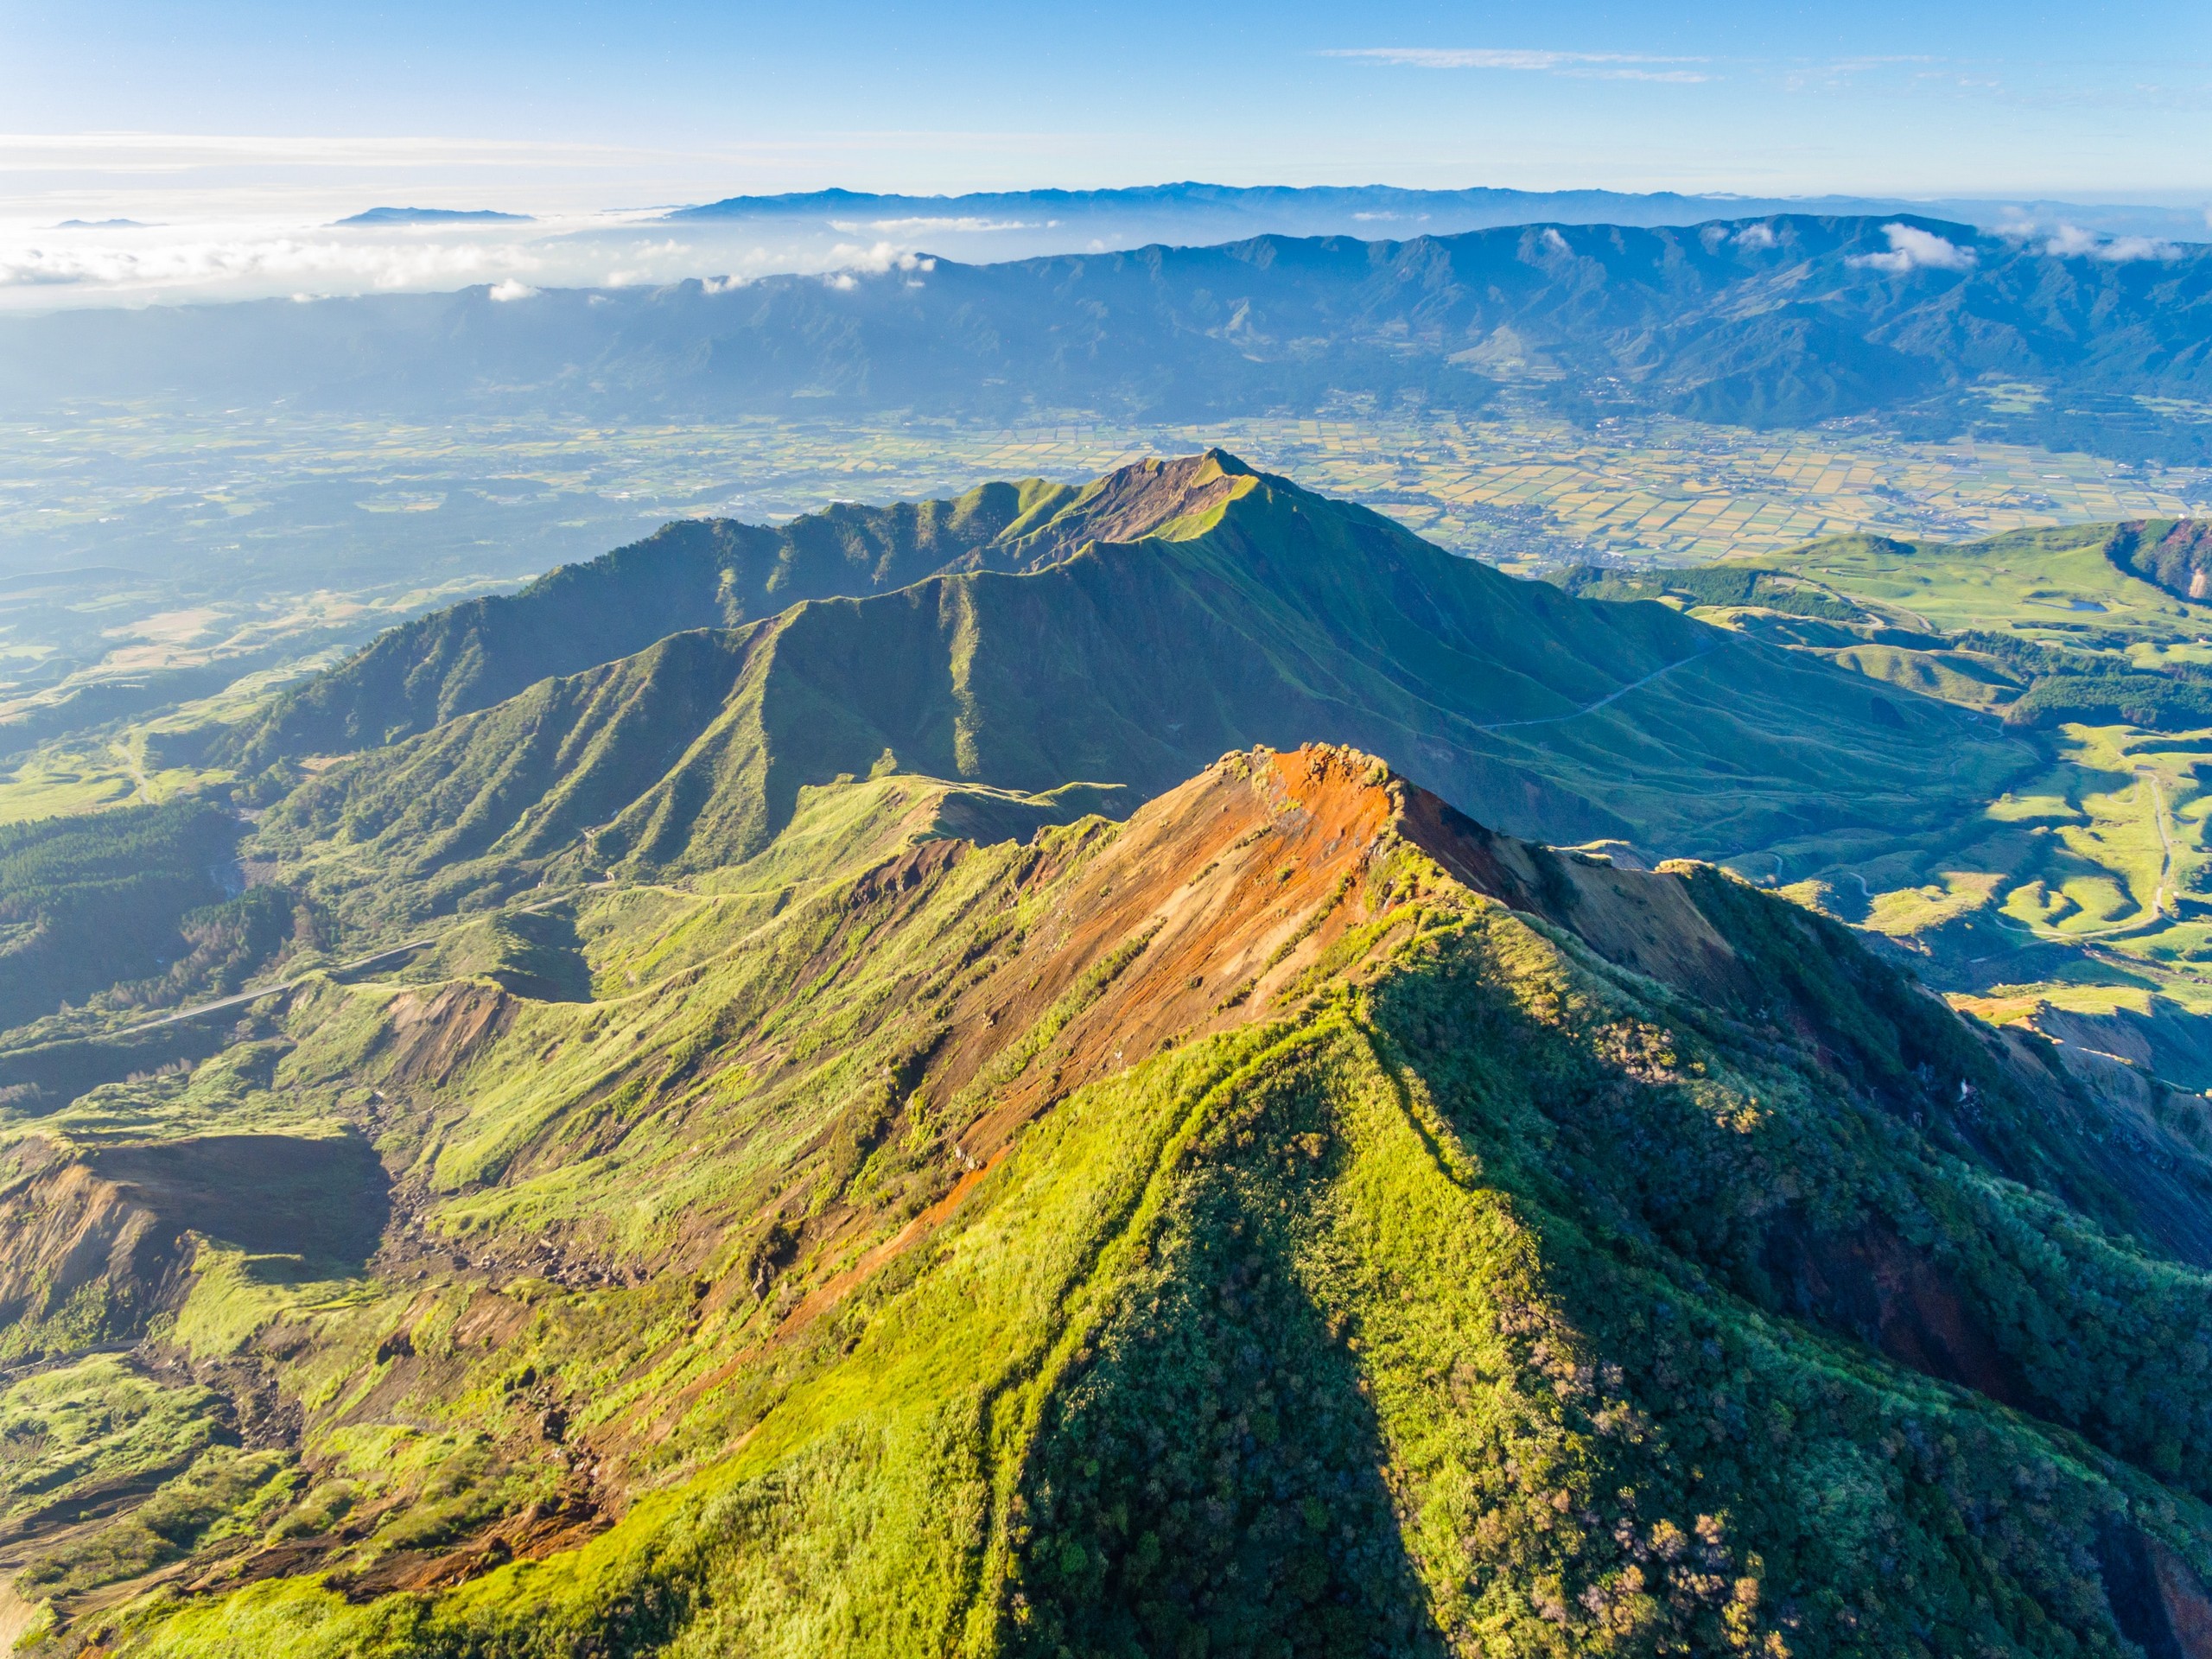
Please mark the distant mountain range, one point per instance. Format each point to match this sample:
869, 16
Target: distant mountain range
433, 216
1189, 213
1774, 320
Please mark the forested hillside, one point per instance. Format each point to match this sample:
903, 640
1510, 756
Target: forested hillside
692, 573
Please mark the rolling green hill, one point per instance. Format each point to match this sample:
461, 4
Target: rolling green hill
2077, 898
1241, 610
1296, 1220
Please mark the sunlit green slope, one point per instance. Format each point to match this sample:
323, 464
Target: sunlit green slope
1261, 613
1295, 1220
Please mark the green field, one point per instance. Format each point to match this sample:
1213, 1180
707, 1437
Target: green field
2091, 877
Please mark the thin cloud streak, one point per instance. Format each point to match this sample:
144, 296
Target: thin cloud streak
1583, 65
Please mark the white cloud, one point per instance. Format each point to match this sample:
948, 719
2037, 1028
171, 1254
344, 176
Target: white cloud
1588, 66
509, 289
1554, 241
2122, 249
878, 256
1675, 77
1914, 249
2071, 241
187, 262
1716, 237
843, 281
933, 226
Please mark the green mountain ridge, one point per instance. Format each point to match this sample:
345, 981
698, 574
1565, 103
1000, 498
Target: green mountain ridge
1295, 1219
820, 1186
1241, 610
694, 574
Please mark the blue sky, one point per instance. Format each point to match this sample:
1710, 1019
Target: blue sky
550, 105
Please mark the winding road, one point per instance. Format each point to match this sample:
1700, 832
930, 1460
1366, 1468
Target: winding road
242, 998
1610, 696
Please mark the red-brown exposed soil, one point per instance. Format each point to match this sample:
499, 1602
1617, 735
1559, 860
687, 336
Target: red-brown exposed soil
1205, 909
2158, 1603
1872, 1284
62, 1226
1240, 881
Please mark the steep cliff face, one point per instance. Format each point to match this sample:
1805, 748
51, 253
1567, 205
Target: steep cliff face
97, 1240
2176, 554
83, 1262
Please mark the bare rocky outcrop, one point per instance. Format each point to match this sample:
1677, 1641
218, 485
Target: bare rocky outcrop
1871, 1284
65, 1230
433, 1035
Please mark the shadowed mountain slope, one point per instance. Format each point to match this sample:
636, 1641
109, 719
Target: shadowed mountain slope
1260, 613
1295, 1220
700, 574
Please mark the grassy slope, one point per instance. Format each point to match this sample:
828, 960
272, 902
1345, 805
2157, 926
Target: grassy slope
2033, 577
1235, 1225
1265, 614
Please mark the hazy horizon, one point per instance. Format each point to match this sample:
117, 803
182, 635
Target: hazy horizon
242, 132
100, 259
